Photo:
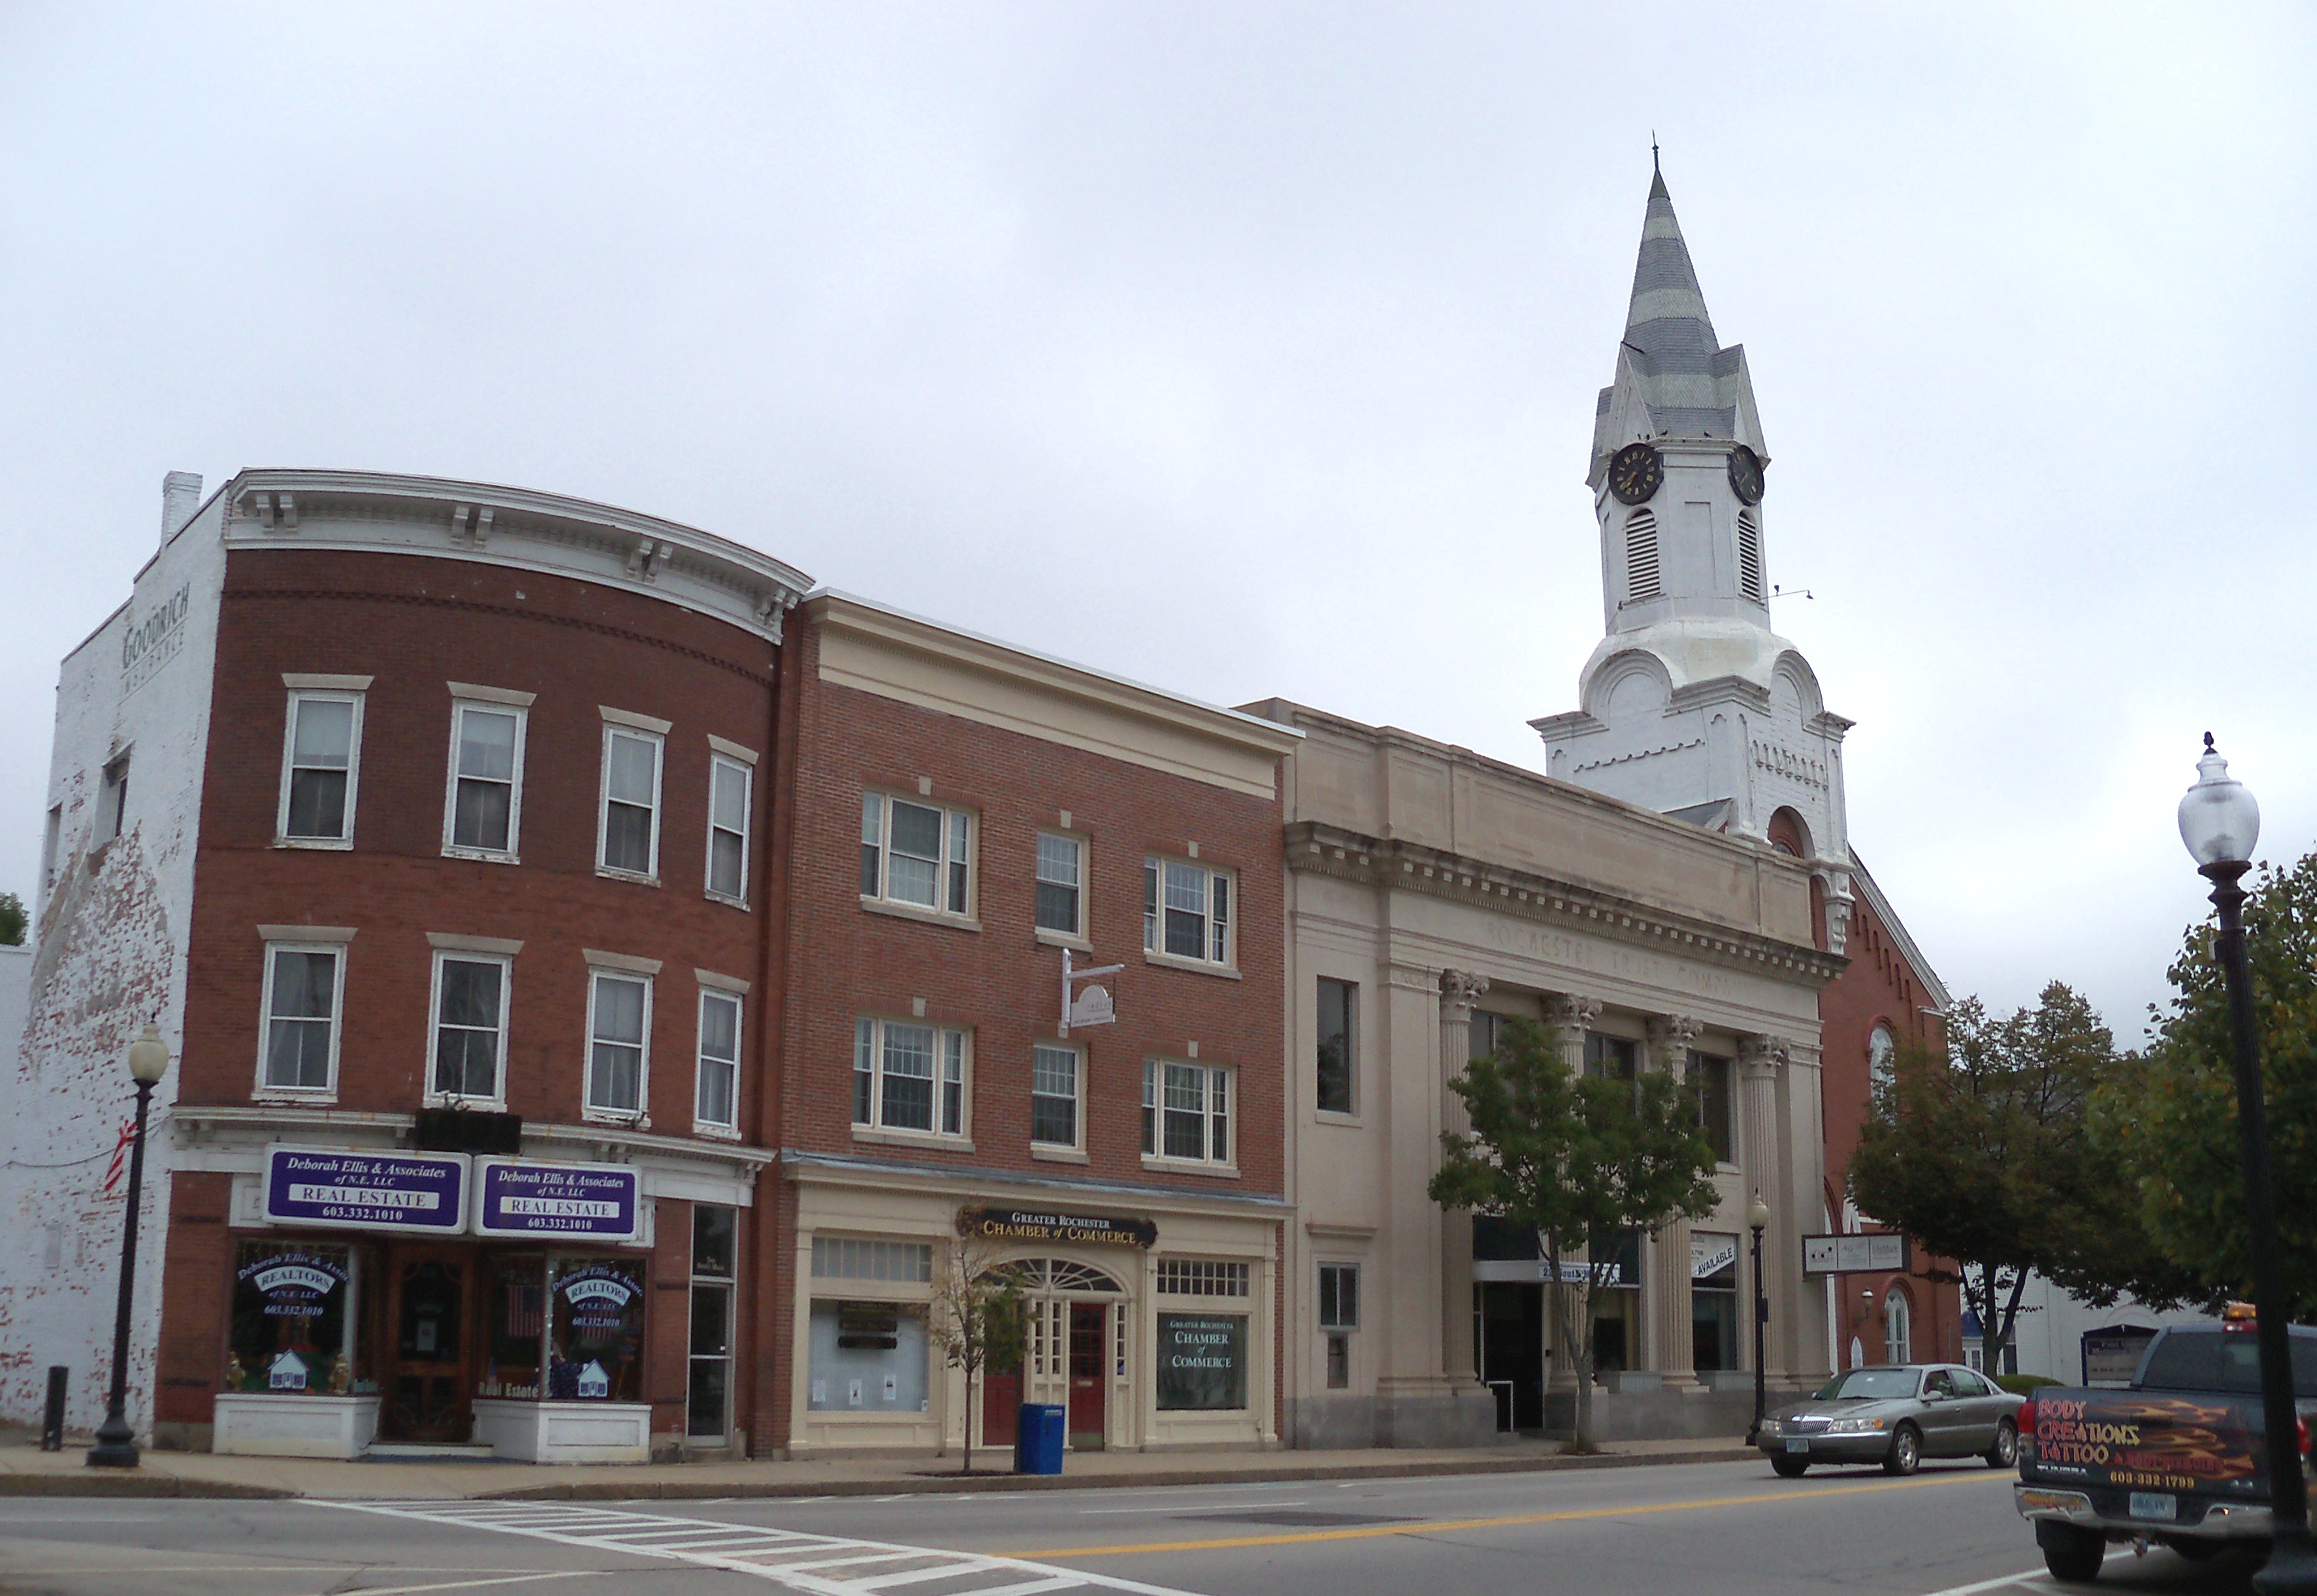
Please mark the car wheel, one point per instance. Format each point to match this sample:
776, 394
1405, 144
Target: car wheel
1906, 1453
2072, 1555
1790, 1468
2005, 1452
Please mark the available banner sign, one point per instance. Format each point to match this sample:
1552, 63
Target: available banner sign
596, 1202
422, 1192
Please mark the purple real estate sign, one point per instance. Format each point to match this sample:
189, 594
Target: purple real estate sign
598, 1202
424, 1192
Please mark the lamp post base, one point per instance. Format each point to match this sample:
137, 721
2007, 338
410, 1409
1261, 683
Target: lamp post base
114, 1447
2292, 1568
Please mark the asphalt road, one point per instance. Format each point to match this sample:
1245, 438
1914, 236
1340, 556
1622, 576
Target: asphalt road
1731, 1529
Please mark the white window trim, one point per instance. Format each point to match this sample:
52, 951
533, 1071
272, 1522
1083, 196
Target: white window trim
472, 698
1064, 939
281, 837
876, 1131
1228, 964
1078, 1110
738, 900
658, 740
435, 1098
720, 1128
731, 750
491, 695
1153, 1155
640, 1116
336, 947
881, 902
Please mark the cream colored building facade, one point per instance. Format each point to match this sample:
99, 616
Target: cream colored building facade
1447, 891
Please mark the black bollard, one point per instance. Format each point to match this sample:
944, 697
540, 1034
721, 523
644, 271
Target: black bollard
52, 1423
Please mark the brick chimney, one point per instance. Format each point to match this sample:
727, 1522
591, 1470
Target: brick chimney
180, 495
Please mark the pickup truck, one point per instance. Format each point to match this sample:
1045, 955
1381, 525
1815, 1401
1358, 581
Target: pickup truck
2179, 1458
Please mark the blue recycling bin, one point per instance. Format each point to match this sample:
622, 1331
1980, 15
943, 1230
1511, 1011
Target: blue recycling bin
1038, 1439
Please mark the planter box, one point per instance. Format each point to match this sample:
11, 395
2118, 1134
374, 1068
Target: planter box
250, 1424
565, 1431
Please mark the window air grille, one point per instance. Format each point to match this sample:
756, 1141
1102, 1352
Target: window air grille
1750, 556
1640, 557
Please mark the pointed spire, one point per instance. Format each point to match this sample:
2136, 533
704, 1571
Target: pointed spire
1666, 319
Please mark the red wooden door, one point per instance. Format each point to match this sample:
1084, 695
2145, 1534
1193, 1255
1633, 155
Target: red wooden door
1089, 1351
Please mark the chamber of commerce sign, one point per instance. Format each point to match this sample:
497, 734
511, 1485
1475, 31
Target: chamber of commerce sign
1041, 1225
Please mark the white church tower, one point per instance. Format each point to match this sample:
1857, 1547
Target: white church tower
1692, 705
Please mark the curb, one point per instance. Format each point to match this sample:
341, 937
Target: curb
615, 1489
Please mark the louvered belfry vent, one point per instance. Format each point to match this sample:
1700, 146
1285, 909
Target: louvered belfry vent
1640, 557
1750, 556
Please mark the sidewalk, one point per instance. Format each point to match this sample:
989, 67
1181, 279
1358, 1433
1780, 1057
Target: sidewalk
27, 1471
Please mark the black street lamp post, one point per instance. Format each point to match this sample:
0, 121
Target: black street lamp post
116, 1441
1758, 1219
2220, 822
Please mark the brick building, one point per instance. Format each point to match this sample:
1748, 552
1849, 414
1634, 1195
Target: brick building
963, 818
423, 816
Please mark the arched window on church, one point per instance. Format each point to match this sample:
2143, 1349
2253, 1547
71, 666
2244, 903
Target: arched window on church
1750, 556
1880, 1046
1898, 1328
1641, 580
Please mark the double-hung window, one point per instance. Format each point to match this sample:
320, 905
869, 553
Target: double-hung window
470, 1022
303, 986
1185, 1111
618, 1041
321, 756
630, 833
1056, 1074
728, 829
908, 1076
1711, 1077
1187, 911
1339, 1315
482, 811
918, 854
1061, 882
716, 1095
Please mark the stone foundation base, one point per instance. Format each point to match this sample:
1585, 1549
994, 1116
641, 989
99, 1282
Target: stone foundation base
1681, 1410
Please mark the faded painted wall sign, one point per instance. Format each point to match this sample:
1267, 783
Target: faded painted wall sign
154, 640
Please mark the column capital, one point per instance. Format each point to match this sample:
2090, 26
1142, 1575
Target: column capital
1458, 989
1572, 1009
1672, 1033
1762, 1054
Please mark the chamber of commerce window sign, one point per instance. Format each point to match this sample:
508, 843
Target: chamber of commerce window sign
1201, 1361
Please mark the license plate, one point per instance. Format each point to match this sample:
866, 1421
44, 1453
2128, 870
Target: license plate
1793, 1445
2155, 1504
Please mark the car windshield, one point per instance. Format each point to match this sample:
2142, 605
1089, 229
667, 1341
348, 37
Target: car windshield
1869, 1384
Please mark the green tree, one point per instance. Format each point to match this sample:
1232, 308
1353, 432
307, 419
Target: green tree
1576, 1159
977, 1318
11, 921
1984, 1154
2171, 1125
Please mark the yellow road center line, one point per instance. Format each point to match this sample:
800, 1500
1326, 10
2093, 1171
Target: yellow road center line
1440, 1526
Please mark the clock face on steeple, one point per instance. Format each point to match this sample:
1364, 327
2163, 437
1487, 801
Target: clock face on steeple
1636, 472
1746, 473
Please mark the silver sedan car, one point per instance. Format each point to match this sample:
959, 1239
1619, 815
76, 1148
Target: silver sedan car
1896, 1415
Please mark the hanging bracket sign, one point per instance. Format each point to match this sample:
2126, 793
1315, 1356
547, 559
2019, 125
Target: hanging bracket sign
1857, 1254
1090, 1007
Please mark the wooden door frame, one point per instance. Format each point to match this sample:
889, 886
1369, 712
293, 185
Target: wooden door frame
398, 1257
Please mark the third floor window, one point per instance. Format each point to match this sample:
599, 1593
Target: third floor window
916, 854
321, 752
484, 806
1187, 911
630, 840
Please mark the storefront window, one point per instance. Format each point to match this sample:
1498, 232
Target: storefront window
595, 1331
867, 1357
291, 1303
1713, 1300
517, 1325
1202, 1360
1616, 1304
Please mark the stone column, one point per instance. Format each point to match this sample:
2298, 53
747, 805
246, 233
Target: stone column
1571, 1015
1761, 1061
1665, 1297
1403, 1311
1457, 991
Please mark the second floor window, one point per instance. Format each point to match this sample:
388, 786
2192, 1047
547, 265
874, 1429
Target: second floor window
1185, 1111
630, 828
717, 1099
1610, 1057
916, 854
619, 1048
1187, 911
1338, 1006
1711, 1077
470, 1012
317, 778
908, 1077
486, 798
728, 829
302, 1019
1060, 873
1054, 1074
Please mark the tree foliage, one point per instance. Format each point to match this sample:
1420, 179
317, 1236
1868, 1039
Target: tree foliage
976, 1318
1577, 1159
2171, 1123
11, 921
1985, 1155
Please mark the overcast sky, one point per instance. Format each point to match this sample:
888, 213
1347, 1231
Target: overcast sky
1252, 349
